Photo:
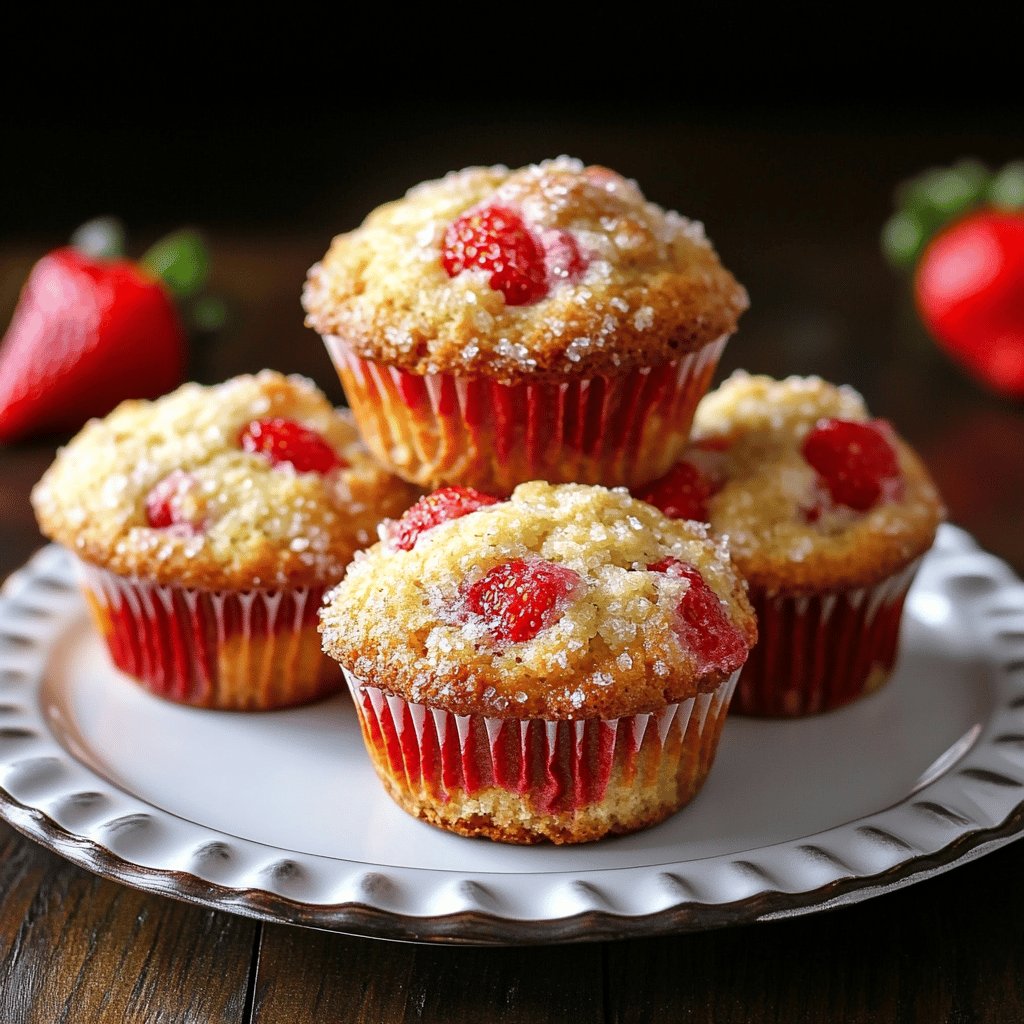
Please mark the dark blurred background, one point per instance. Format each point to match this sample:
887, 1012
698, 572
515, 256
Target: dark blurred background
792, 185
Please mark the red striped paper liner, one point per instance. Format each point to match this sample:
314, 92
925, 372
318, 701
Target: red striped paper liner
430, 758
816, 652
244, 651
441, 428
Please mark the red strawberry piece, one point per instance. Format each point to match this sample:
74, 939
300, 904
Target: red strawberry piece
163, 503
496, 240
520, 598
287, 442
703, 625
85, 335
434, 509
682, 493
856, 462
562, 256
969, 288
522, 264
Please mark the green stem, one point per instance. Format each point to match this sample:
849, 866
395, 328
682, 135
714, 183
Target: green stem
181, 261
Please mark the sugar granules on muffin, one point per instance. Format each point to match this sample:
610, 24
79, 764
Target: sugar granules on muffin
208, 524
498, 326
554, 666
827, 513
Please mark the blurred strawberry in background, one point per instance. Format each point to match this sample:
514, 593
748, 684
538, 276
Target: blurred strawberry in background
960, 230
92, 328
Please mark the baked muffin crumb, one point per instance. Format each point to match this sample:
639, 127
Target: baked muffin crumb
645, 286
240, 520
399, 619
783, 532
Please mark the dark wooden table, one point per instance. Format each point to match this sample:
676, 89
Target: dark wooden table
74, 947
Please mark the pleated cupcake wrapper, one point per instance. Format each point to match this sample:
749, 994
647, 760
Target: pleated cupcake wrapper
555, 766
618, 430
249, 650
818, 652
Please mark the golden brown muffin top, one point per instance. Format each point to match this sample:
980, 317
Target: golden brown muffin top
784, 532
240, 521
646, 288
402, 620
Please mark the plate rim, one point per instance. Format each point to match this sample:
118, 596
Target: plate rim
470, 915
479, 928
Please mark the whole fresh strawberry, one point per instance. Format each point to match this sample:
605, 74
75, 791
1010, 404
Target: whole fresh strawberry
961, 230
92, 328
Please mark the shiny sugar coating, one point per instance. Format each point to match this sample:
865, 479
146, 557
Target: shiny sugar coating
164, 491
542, 605
547, 272
813, 494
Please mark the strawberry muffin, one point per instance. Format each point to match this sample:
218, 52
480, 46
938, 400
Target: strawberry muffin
556, 666
208, 524
827, 513
500, 326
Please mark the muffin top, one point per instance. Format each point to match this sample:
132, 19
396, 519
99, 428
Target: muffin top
562, 602
549, 270
812, 494
256, 482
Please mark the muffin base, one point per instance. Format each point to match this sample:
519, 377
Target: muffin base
252, 650
441, 428
525, 781
817, 652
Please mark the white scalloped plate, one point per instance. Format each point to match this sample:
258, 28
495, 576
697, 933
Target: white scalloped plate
279, 816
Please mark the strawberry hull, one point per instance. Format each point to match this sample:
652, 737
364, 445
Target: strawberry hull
527, 780
247, 651
817, 652
441, 428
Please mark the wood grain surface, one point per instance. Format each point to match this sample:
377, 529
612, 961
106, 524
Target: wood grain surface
74, 947
330, 977
796, 215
